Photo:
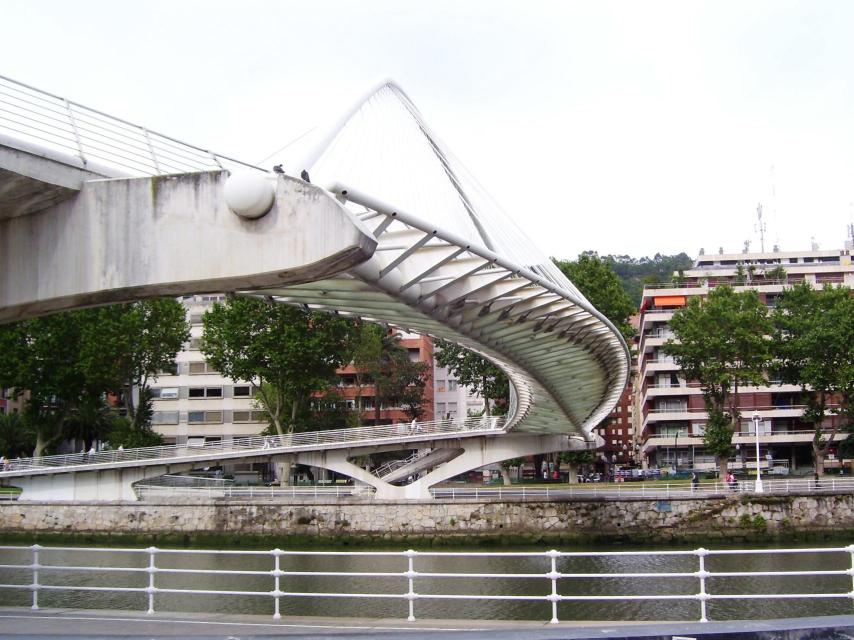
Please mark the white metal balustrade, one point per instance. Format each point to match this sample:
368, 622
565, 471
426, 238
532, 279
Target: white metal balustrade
258, 445
618, 491
229, 492
123, 148
656, 490
709, 585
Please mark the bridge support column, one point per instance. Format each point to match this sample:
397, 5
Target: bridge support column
476, 453
100, 485
336, 460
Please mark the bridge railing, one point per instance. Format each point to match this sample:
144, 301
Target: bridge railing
700, 578
51, 121
154, 492
658, 489
406, 431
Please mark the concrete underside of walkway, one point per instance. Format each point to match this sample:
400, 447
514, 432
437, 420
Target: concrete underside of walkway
52, 623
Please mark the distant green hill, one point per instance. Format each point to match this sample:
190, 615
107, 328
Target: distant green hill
634, 273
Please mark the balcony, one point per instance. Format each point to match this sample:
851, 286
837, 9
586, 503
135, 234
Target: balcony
744, 439
658, 390
649, 366
652, 316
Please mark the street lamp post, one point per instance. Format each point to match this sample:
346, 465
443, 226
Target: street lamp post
759, 488
676, 453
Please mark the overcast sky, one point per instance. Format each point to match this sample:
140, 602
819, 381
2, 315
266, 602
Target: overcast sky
620, 127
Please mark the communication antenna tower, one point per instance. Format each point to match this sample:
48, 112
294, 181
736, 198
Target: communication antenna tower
760, 226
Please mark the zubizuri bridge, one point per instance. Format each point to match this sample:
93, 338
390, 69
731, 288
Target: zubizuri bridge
389, 227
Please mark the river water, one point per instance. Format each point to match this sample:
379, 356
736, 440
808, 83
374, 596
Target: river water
600, 563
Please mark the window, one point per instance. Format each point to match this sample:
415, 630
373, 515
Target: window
196, 318
440, 385
452, 385
204, 417
165, 393
452, 409
195, 343
170, 370
243, 392
164, 417
205, 392
440, 408
248, 416
671, 404
198, 368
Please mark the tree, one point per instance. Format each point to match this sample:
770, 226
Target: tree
17, 438
635, 273
477, 373
722, 342
380, 360
576, 460
42, 356
596, 280
814, 345
122, 433
126, 345
289, 353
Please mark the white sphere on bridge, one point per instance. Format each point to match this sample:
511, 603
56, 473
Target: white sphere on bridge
249, 195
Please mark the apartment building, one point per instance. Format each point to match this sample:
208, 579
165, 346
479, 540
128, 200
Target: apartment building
194, 404
670, 412
451, 399
420, 349
618, 432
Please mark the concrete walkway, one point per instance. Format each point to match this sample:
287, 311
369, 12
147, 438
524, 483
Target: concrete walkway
70, 623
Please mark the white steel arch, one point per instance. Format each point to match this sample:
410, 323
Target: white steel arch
451, 264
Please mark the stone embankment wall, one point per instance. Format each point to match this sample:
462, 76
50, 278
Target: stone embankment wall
732, 518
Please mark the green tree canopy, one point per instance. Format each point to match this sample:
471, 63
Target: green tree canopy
69, 362
814, 344
290, 353
722, 342
381, 361
596, 279
41, 356
126, 345
477, 373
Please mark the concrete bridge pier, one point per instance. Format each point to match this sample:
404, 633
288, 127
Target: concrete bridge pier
101, 485
473, 454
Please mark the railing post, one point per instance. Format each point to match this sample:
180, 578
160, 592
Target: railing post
702, 574
152, 569
73, 123
35, 586
150, 149
410, 574
850, 549
277, 572
553, 575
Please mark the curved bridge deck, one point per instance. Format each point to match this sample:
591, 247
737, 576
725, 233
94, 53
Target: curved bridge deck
258, 446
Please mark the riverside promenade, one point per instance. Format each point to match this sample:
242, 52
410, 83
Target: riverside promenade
58, 623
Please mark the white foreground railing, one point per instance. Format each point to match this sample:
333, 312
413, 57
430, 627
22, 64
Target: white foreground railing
399, 432
421, 585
